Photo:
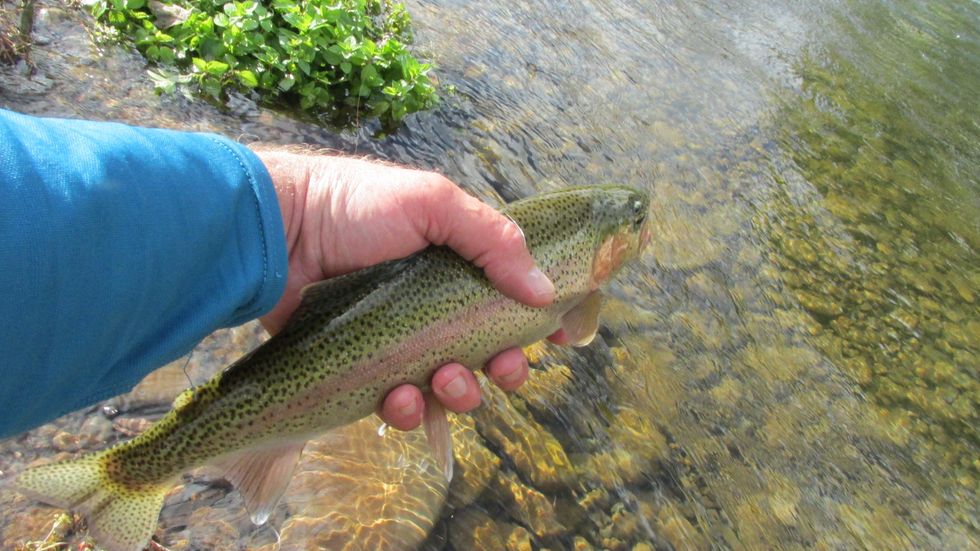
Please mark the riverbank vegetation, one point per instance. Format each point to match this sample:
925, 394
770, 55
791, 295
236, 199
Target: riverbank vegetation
339, 61
16, 23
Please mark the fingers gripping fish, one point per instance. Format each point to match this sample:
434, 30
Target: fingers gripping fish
352, 340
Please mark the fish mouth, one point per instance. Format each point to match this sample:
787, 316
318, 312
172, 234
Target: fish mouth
646, 234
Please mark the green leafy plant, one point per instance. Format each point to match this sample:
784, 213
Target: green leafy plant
340, 60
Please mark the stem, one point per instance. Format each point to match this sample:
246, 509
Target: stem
26, 26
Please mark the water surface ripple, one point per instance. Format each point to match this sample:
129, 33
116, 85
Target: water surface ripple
792, 364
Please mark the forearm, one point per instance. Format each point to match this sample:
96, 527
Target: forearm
121, 248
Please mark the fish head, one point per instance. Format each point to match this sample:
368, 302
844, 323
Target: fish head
583, 235
621, 217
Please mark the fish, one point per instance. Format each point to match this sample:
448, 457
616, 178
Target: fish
352, 339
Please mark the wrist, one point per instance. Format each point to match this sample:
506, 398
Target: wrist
290, 175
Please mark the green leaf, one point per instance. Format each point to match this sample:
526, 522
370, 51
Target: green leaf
286, 83
166, 55
200, 64
162, 83
332, 55
135, 4
248, 78
117, 18
398, 111
348, 44
370, 76
369, 47
210, 46
216, 68
379, 107
211, 86
299, 20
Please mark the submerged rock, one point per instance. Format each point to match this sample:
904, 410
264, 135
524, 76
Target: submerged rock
678, 531
473, 528
475, 465
534, 451
356, 490
635, 445
528, 506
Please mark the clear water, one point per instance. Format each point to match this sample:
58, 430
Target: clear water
792, 364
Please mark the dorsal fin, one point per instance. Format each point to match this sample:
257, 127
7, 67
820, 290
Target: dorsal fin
327, 299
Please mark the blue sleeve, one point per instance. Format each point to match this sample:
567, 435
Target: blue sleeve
120, 248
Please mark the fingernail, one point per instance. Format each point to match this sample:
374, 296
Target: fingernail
540, 284
455, 388
409, 409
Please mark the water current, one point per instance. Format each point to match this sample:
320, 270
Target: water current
793, 362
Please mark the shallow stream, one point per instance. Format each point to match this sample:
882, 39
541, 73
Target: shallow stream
794, 361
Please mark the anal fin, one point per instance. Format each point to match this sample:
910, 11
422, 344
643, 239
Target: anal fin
261, 476
437, 433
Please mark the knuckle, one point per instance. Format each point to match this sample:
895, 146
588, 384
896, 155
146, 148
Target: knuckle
438, 186
507, 255
511, 235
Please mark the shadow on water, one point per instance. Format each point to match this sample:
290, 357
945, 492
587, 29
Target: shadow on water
793, 363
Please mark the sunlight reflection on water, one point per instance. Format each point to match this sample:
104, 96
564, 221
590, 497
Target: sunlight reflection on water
793, 362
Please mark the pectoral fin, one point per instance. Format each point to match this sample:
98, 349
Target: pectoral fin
582, 322
437, 432
261, 476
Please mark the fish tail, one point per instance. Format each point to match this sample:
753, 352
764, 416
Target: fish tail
120, 517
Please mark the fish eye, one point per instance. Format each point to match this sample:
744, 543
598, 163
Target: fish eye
639, 211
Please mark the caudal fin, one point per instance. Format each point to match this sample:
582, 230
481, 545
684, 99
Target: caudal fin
120, 518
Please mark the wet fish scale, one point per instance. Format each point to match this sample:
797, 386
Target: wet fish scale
352, 340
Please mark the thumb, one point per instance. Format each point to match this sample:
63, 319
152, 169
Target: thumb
446, 215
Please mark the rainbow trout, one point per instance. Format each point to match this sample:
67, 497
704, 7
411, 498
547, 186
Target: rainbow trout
352, 339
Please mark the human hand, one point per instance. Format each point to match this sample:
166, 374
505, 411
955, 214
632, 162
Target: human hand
343, 214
